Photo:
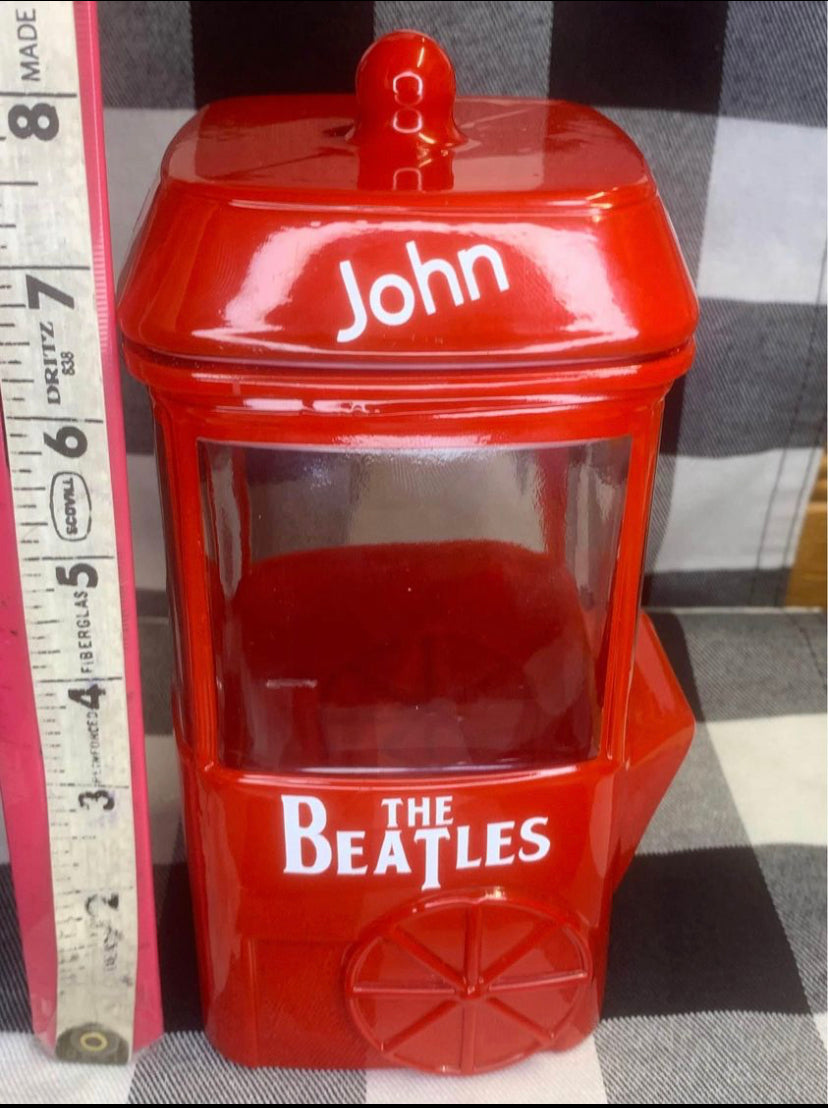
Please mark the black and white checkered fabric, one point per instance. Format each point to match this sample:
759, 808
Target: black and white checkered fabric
716, 988
717, 985
727, 101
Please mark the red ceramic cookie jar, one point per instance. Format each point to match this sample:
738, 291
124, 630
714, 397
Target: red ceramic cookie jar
408, 358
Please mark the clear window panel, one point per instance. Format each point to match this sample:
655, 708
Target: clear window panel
434, 610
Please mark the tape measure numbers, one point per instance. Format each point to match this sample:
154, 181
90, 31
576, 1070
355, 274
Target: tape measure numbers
55, 431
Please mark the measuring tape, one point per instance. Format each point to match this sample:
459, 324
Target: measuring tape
53, 279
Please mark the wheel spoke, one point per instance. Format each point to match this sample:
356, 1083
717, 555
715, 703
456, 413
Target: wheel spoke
396, 1041
542, 981
473, 953
380, 989
515, 953
428, 958
543, 1036
469, 1039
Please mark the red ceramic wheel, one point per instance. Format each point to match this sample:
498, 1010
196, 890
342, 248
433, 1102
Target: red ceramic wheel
462, 985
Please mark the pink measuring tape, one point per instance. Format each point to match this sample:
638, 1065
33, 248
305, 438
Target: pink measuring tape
72, 766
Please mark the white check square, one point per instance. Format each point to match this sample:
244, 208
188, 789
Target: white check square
570, 1077
31, 1076
776, 770
764, 231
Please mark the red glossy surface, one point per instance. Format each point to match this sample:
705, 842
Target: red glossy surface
467, 984
433, 654
262, 202
284, 956
372, 910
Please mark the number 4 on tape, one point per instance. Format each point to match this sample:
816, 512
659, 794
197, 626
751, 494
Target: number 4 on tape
71, 739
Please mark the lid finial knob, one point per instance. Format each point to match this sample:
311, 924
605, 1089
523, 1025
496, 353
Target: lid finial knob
405, 89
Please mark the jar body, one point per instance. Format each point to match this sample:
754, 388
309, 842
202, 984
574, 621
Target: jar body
432, 609
405, 618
